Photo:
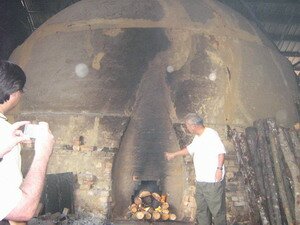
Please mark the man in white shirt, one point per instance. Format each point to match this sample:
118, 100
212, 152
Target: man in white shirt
208, 154
19, 198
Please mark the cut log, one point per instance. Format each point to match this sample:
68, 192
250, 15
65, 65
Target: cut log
165, 205
163, 198
165, 216
144, 194
139, 215
150, 210
172, 217
133, 208
156, 196
65, 211
165, 211
137, 200
155, 215
148, 215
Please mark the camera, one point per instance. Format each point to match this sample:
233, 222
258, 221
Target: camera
31, 130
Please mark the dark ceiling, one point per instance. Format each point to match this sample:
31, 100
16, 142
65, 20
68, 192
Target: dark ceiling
278, 19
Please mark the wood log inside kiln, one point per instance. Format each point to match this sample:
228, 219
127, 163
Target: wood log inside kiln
139, 215
165, 216
143, 194
150, 209
172, 217
156, 196
165, 211
138, 200
156, 215
165, 205
133, 208
148, 215
163, 198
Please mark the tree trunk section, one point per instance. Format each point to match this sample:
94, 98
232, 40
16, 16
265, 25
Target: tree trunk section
262, 149
256, 200
279, 170
294, 169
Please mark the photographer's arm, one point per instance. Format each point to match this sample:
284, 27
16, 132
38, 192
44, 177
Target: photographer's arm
33, 183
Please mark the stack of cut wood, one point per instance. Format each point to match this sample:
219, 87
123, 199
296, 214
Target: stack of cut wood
151, 206
269, 159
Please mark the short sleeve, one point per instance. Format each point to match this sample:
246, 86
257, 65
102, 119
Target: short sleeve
9, 198
220, 149
191, 147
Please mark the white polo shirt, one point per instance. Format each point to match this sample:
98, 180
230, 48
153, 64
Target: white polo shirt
205, 149
10, 176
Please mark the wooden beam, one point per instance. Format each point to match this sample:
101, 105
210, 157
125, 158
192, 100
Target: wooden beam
291, 54
296, 64
277, 37
278, 19
272, 2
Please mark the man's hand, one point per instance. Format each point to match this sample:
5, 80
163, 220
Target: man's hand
169, 155
11, 137
44, 141
218, 176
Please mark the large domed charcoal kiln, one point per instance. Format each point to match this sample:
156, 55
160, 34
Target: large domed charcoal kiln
121, 73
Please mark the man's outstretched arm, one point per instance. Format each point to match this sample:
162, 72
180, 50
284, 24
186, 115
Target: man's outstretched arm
171, 155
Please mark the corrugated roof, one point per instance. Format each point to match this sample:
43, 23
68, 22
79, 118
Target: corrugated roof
279, 19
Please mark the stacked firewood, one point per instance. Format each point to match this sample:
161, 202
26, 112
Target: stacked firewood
151, 206
269, 159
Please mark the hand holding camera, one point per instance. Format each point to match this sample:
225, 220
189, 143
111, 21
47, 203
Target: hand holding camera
44, 139
31, 130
